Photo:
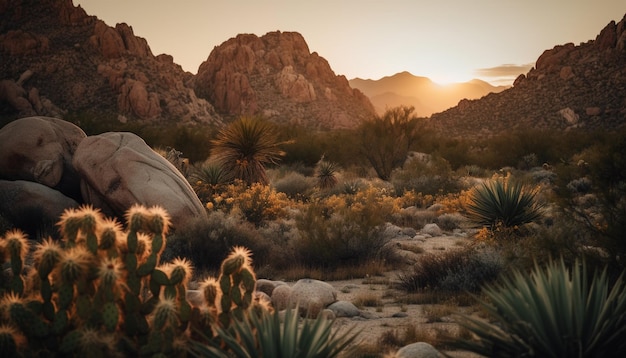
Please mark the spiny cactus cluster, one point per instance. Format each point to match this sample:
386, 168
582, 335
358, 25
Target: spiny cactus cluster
101, 290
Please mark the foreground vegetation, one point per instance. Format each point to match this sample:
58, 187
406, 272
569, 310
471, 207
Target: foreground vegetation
533, 205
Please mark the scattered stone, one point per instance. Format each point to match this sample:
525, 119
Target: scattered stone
400, 315
344, 309
431, 229
281, 297
265, 286
418, 350
312, 296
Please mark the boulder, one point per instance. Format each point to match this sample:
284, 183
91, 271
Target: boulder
281, 297
432, 229
344, 309
312, 296
32, 207
119, 170
40, 149
418, 350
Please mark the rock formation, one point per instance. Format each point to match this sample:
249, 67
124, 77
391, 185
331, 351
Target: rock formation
571, 86
119, 170
275, 75
48, 165
79, 64
40, 149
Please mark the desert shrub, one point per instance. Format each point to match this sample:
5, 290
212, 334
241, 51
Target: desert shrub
594, 193
449, 222
454, 270
207, 242
502, 201
256, 203
413, 217
344, 229
279, 235
429, 176
556, 311
295, 185
386, 140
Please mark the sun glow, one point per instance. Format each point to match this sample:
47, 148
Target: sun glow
448, 78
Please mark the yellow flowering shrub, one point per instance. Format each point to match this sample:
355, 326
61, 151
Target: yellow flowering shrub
256, 203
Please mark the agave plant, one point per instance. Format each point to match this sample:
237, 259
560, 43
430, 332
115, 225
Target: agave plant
244, 148
554, 312
505, 202
264, 335
210, 173
326, 172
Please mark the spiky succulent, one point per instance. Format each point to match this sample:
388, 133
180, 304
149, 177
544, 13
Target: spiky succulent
503, 201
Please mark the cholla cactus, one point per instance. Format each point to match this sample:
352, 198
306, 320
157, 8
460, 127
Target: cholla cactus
101, 286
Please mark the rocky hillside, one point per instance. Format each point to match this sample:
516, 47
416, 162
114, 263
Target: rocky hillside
54, 58
275, 75
420, 92
571, 86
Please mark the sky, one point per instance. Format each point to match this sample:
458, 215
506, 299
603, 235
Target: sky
445, 40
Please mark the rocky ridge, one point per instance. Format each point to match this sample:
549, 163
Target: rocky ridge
570, 86
276, 75
55, 58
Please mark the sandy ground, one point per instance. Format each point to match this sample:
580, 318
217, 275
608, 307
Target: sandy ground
391, 315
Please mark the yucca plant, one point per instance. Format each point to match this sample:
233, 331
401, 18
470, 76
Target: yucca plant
555, 311
244, 148
503, 202
264, 335
210, 173
326, 174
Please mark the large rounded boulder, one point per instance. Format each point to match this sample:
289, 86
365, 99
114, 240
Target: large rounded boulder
40, 149
119, 169
32, 207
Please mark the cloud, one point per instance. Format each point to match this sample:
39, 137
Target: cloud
506, 70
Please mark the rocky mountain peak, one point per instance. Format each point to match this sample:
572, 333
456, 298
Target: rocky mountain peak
571, 86
276, 75
55, 58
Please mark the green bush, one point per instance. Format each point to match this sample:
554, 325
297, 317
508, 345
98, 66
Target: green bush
555, 311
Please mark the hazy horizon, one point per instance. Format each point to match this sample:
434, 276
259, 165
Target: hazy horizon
453, 41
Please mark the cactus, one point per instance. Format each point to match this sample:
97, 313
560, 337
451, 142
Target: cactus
102, 288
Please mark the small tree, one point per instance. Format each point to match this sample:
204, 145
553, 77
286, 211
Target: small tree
244, 148
386, 140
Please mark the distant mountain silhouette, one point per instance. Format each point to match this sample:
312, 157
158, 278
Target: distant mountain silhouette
420, 92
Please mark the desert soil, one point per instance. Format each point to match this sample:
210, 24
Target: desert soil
393, 316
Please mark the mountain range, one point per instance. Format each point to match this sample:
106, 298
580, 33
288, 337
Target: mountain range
57, 60
425, 95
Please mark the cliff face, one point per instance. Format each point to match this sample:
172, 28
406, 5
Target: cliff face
571, 86
54, 58
275, 75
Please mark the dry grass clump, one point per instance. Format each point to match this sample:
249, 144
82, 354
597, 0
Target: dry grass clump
463, 269
368, 299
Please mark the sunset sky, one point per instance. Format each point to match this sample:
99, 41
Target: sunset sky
446, 40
